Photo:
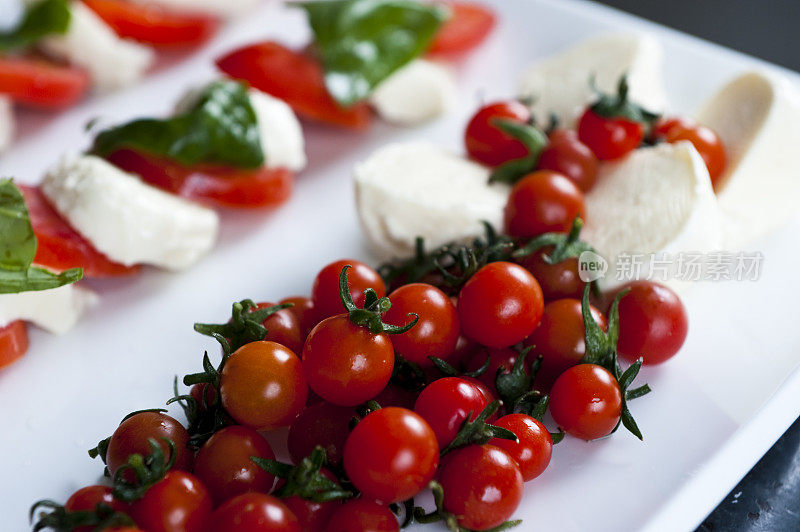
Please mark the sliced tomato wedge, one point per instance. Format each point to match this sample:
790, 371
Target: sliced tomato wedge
61, 247
154, 24
13, 342
294, 77
215, 185
38, 83
469, 24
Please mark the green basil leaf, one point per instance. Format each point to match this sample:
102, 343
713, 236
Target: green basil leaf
43, 18
18, 243
34, 279
362, 42
221, 128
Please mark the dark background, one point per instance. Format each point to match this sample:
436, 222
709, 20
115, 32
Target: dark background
768, 498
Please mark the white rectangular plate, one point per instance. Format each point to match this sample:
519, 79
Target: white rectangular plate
716, 408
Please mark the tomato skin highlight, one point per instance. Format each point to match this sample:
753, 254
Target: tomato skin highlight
533, 451
558, 280
489, 145
391, 455
586, 401
178, 503
361, 515
325, 291
13, 342
263, 385
446, 403
543, 202
132, 435
40, 84
609, 138
322, 424
254, 512
567, 155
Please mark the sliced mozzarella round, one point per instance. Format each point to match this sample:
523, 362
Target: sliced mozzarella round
280, 130
222, 8
419, 189
7, 123
129, 221
656, 200
91, 44
56, 310
420, 91
560, 84
756, 116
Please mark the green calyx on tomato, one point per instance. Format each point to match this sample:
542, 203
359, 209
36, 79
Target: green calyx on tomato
407, 374
535, 142
221, 128
59, 518
515, 387
246, 325
369, 317
449, 371
46, 17
477, 431
146, 471
305, 480
565, 245
619, 105
362, 42
18, 248
450, 520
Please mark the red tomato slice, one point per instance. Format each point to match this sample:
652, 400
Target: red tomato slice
13, 342
468, 25
294, 77
153, 24
217, 185
37, 83
60, 246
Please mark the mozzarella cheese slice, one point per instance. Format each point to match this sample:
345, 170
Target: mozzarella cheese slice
418, 189
91, 44
756, 116
280, 131
560, 84
7, 123
656, 200
222, 8
56, 310
127, 220
418, 92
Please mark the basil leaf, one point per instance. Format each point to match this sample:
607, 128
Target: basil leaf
362, 42
221, 128
34, 279
42, 18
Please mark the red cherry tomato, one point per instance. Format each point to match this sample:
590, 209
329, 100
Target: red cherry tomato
312, 516
394, 395
86, 500
13, 342
586, 401
707, 143
153, 24
543, 202
469, 24
225, 466
216, 185
346, 364
489, 145
482, 486
532, 452
305, 313
37, 83
325, 291
557, 280
254, 512
446, 403
321, 424
500, 305
663, 125
436, 332
60, 247
498, 359
178, 503
361, 515
283, 328
197, 391
132, 435
263, 385
391, 455
609, 138
296, 78
567, 155
653, 323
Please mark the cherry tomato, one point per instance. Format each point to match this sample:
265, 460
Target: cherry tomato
498, 359
321, 424
197, 391
482, 486
543, 202
557, 280
394, 395
60, 247
346, 364
86, 500
663, 125
283, 328
437, 330
153, 24
532, 452
178, 503
254, 512
391, 455
560, 338
296, 78
215, 185
37, 83
446, 403
312, 516
707, 143
325, 291
225, 466
305, 313
609, 138
500, 305
567, 155
586, 401
653, 323
132, 435
469, 24
263, 385
489, 145
362, 515
13, 342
